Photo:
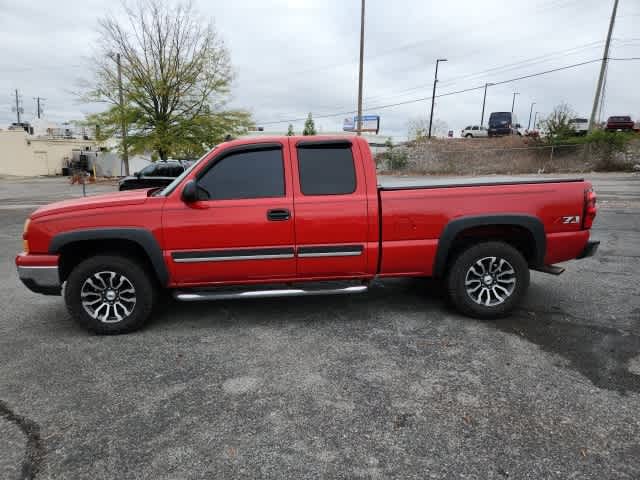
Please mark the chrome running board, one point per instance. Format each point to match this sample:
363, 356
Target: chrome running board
203, 295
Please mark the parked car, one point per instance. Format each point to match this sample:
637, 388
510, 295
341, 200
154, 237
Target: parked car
619, 123
579, 125
157, 174
503, 123
474, 131
282, 216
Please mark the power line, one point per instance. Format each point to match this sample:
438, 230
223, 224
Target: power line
496, 69
422, 99
505, 67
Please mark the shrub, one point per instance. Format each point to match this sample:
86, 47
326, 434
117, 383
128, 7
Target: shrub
607, 148
395, 159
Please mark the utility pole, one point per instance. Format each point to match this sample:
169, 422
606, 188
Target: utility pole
17, 107
38, 106
484, 100
603, 66
534, 120
359, 119
433, 96
125, 153
513, 103
530, 113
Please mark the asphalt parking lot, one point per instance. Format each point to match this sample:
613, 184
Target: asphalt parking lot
388, 384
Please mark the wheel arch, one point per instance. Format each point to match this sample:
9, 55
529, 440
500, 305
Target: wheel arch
133, 241
509, 228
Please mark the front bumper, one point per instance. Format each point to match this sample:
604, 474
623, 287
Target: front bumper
41, 278
590, 249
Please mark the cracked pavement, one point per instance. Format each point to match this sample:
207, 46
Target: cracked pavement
387, 384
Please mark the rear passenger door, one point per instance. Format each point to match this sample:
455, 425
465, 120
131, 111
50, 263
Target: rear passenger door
330, 204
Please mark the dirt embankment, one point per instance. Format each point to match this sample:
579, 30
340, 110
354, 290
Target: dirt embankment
509, 155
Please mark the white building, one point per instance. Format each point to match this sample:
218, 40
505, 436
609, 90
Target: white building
27, 155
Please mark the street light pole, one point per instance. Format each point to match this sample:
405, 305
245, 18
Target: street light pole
513, 103
359, 119
484, 100
535, 117
530, 113
433, 95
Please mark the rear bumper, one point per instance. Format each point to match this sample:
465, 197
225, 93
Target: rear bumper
39, 273
590, 249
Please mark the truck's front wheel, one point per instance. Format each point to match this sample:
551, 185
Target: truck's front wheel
109, 294
488, 280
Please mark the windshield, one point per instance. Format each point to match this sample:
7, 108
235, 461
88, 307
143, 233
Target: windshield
171, 187
498, 118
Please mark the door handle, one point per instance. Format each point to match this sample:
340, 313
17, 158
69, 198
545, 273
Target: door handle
278, 214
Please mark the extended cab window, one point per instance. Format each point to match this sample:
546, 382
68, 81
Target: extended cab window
326, 170
250, 174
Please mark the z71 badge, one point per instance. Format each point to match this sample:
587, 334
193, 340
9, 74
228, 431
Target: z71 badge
571, 219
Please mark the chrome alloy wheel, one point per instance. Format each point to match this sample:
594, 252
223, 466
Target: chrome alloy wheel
108, 296
490, 281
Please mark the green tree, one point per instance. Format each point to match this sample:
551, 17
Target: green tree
557, 124
176, 77
290, 131
309, 126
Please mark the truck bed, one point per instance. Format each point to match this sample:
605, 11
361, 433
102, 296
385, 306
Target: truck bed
391, 184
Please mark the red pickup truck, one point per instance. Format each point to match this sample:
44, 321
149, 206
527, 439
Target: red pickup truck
288, 216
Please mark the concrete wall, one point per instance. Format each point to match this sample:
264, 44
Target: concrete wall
26, 156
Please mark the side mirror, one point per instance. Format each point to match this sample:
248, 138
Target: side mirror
136, 174
190, 192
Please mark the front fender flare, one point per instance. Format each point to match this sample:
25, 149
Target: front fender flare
144, 238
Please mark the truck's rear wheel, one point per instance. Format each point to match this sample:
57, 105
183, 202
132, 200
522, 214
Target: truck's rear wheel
488, 280
109, 294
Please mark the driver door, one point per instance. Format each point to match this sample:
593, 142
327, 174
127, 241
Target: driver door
241, 229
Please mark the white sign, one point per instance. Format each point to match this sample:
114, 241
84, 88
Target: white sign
370, 123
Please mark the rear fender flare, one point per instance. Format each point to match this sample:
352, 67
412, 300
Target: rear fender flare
532, 224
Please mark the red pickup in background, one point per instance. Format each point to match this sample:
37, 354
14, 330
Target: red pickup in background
285, 216
623, 123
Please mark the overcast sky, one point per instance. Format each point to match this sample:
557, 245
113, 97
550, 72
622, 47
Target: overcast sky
297, 56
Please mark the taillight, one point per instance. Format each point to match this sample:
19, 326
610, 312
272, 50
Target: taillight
25, 242
590, 209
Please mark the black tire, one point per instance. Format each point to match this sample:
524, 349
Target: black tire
468, 135
460, 272
144, 294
